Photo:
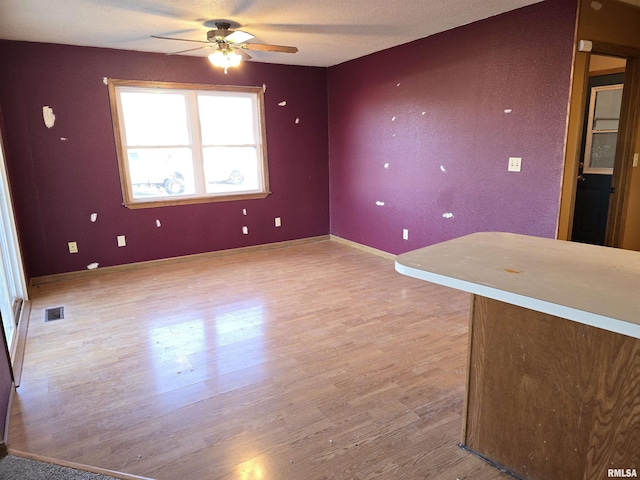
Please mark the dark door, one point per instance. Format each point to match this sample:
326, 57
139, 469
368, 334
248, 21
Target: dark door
597, 154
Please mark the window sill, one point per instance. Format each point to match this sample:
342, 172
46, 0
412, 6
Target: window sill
137, 204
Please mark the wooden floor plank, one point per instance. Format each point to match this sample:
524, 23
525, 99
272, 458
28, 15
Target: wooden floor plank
313, 361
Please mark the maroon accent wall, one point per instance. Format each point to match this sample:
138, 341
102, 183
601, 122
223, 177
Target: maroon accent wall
57, 184
427, 129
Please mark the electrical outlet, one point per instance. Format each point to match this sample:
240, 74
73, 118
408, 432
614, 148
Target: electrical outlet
405, 234
73, 247
122, 242
515, 164
278, 222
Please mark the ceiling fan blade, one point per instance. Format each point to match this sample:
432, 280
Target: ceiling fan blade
179, 39
189, 50
242, 53
238, 36
267, 48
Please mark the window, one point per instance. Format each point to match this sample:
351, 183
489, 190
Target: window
602, 129
179, 144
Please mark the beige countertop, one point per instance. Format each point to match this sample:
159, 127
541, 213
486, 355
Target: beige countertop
594, 285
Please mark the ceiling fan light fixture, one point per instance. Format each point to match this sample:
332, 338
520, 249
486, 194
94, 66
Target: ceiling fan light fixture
225, 58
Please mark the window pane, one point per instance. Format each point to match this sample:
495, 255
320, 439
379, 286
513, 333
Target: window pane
226, 120
161, 172
607, 111
231, 169
603, 150
152, 119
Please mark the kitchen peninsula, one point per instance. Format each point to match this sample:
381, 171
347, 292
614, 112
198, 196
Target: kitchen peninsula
553, 374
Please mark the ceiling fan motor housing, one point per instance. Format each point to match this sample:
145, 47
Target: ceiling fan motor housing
219, 33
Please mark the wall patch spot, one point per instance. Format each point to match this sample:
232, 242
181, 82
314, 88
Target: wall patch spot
424, 113
94, 217
386, 165
447, 215
264, 88
244, 211
282, 103
105, 80
379, 203
297, 120
442, 169
63, 139
245, 230
158, 224
508, 110
48, 116
393, 119
93, 266
398, 84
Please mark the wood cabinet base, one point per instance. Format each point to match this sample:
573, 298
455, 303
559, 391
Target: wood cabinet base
549, 398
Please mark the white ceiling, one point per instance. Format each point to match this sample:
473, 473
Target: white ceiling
326, 32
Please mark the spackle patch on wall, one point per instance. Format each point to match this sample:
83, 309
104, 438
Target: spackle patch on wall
508, 110
158, 224
297, 120
48, 116
93, 266
447, 215
379, 203
94, 217
442, 169
282, 103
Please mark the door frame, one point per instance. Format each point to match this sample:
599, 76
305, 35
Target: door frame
627, 132
12, 268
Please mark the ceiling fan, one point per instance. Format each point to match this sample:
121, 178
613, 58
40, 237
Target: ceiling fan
230, 45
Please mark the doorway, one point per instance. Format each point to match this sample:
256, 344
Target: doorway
597, 155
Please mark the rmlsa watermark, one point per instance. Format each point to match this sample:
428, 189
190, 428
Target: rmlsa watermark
622, 473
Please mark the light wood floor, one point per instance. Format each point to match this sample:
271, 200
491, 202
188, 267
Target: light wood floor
314, 361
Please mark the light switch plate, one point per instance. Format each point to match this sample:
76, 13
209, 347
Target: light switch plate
73, 247
514, 164
122, 242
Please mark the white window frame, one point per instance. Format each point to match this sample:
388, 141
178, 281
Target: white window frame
190, 91
590, 132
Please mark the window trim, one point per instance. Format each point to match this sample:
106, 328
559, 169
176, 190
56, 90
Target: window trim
590, 131
125, 179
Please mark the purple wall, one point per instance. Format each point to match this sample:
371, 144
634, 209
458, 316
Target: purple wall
57, 183
423, 128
